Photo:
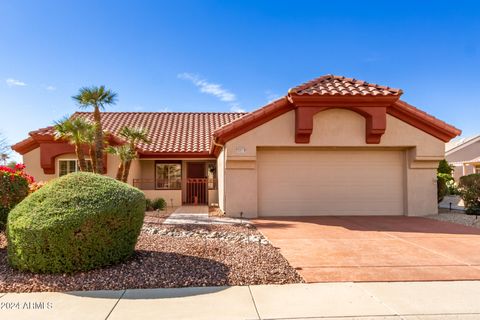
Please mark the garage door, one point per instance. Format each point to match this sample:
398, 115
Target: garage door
330, 182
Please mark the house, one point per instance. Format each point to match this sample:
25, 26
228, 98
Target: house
464, 155
331, 146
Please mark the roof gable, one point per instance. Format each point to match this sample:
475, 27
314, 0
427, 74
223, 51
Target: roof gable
331, 91
331, 85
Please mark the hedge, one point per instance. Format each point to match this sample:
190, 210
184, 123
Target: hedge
469, 187
78, 222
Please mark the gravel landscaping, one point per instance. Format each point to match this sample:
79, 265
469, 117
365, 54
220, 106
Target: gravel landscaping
169, 257
456, 216
157, 217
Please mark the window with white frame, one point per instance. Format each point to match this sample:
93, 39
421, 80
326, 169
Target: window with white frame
68, 166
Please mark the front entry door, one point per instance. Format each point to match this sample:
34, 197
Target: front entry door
197, 183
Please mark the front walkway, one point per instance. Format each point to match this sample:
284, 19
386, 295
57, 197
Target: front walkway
375, 248
198, 215
372, 301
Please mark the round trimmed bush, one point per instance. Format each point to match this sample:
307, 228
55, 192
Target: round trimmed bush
80, 221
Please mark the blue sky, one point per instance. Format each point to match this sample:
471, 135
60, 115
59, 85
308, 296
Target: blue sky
232, 55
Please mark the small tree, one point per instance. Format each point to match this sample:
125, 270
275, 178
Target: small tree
470, 192
133, 136
96, 98
445, 181
124, 153
445, 167
4, 150
75, 131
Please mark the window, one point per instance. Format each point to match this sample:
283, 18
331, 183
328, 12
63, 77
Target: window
212, 175
168, 176
69, 166
477, 169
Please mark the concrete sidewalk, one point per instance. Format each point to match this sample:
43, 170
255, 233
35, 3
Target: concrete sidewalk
365, 301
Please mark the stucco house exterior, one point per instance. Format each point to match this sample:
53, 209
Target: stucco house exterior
464, 155
331, 146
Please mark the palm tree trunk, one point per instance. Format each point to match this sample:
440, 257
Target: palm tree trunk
93, 158
126, 170
98, 140
120, 171
81, 157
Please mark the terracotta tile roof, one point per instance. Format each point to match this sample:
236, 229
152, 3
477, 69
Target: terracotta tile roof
189, 132
442, 128
330, 85
253, 119
337, 87
192, 132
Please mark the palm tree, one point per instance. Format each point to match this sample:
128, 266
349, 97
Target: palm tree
4, 149
97, 98
90, 141
132, 136
124, 154
75, 132
3, 158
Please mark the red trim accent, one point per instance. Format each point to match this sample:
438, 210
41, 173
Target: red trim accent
375, 117
249, 122
25, 146
372, 108
423, 121
48, 153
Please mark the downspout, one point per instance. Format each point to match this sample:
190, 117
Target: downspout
224, 171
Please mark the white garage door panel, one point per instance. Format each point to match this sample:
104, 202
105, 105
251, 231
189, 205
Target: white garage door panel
330, 182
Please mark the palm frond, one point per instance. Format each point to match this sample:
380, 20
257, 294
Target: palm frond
134, 135
95, 97
74, 130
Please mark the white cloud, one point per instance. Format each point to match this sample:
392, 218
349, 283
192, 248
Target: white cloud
208, 87
236, 108
13, 82
213, 89
51, 88
271, 96
165, 109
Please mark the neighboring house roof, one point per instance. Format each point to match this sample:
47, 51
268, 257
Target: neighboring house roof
336, 85
169, 132
460, 143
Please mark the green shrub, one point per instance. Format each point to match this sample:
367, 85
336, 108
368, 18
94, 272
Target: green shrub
445, 167
77, 222
469, 187
14, 186
159, 204
442, 189
148, 205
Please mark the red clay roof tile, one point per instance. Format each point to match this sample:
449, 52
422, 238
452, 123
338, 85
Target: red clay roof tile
189, 132
192, 132
330, 85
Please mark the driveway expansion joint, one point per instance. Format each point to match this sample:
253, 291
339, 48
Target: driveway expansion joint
115, 305
254, 303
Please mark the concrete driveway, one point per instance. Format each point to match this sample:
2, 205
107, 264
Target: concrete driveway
327, 249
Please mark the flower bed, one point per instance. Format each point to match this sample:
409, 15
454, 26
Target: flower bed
14, 187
